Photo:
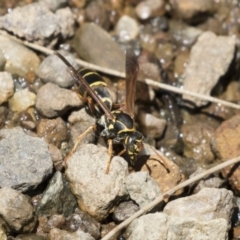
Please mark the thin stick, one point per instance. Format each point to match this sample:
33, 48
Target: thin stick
122, 74
169, 193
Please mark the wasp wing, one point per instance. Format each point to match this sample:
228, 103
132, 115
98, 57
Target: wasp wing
78, 78
132, 69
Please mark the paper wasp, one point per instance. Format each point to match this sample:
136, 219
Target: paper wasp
116, 126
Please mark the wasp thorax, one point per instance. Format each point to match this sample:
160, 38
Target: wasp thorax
133, 144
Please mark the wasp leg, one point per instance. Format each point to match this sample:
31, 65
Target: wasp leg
79, 138
110, 153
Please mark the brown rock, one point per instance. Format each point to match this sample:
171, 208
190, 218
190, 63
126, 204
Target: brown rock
226, 144
196, 139
54, 131
56, 156
165, 172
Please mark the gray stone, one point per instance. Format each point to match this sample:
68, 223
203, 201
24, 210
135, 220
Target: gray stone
142, 188
66, 22
125, 210
53, 101
161, 226
28, 22
207, 204
216, 54
52, 69
108, 54
64, 235
6, 86
20, 59
25, 160
52, 201
96, 191
152, 127
16, 210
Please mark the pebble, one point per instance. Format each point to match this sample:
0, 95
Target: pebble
54, 5
28, 22
56, 156
125, 210
52, 69
19, 59
126, 28
160, 225
66, 22
53, 101
32, 152
183, 34
142, 188
211, 181
64, 235
79, 122
192, 11
53, 131
84, 222
97, 12
16, 211
6, 86
216, 54
225, 145
207, 204
54, 221
109, 55
150, 8
151, 126
96, 191
22, 100
196, 139
57, 198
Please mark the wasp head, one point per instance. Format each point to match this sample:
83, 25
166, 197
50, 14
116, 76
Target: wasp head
133, 145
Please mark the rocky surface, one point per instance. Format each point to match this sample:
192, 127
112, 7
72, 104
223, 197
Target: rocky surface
87, 178
32, 152
205, 78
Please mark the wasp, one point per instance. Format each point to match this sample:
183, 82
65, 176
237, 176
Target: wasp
117, 126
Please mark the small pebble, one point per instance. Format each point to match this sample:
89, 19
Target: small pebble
16, 211
54, 131
22, 100
53, 101
54, 5
6, 86
126, 28
52, 69
150, 8
20, 59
